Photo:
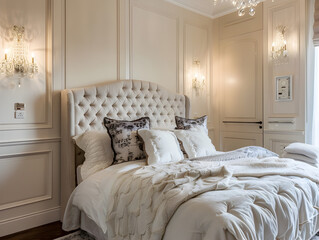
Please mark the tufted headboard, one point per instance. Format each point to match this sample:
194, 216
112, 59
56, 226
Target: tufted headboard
83, 109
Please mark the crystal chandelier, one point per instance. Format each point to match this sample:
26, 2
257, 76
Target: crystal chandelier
243, 6
17, 61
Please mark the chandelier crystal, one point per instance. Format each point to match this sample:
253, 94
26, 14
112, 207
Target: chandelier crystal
243, 6
18, 61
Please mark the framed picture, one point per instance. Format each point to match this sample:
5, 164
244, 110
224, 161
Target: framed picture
284, 88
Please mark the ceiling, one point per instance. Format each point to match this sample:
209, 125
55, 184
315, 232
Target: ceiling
206, 7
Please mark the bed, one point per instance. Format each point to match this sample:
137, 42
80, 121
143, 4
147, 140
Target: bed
244, 198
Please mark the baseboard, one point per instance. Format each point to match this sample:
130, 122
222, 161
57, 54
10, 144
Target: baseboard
28, 221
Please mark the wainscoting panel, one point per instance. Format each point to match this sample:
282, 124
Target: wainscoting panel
290, 14
29, 183
196, 49
25, 178
234, 140
91, 42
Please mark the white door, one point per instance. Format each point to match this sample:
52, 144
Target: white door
241, 97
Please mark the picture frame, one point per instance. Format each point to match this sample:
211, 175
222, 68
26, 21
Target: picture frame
283, 88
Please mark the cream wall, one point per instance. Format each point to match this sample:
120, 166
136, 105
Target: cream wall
147, 40
80, 43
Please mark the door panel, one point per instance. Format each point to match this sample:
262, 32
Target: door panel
241, 84
231, 140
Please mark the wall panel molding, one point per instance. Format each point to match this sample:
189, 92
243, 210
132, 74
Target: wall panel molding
135, 6
290, 13
47, 123
47, 155
196, 46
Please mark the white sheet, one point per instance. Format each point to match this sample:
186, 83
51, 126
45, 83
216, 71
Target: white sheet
293, 203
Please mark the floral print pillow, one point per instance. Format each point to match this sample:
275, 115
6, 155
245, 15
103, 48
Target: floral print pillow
126, 144
186, 123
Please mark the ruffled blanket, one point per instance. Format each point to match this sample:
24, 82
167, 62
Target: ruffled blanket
145, 199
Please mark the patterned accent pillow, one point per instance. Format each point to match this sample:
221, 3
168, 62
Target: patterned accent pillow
126, 144
187, 123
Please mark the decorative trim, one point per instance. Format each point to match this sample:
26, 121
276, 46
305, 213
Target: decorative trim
31, 141
286, 132
30, 220
49, 188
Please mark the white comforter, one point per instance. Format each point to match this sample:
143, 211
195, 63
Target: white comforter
248, 198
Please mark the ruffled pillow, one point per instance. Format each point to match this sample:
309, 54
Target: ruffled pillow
126, 144
307, 150
97, 149
161, 146
187, 123
196, 142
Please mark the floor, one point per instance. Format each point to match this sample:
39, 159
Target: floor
46, 232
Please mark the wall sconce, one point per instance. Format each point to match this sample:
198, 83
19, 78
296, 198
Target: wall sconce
279, 46
198, 81
16, 59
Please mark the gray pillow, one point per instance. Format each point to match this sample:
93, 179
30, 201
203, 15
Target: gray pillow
126, 144
187, 123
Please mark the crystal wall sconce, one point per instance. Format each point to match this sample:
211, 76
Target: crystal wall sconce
16, 60
198, 80
279, 46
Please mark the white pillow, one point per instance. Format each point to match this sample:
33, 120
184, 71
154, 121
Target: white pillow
303, 149
196, 142
98, 151
301, 158
160, 146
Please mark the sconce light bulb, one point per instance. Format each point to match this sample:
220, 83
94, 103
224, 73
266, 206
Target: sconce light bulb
6, 54
32, 55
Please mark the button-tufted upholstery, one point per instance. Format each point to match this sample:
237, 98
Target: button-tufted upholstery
125, 100
83, 109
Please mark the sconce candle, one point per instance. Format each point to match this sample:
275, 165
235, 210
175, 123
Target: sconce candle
6, 54
32, 58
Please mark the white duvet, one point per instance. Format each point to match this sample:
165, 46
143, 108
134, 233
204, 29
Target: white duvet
249, 198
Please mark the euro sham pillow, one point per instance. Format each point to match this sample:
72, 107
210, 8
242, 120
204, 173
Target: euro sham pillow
187, 123
307, 150
126, 144
196, 142
97, 149
161, 146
